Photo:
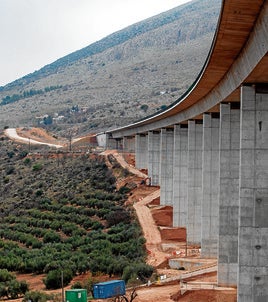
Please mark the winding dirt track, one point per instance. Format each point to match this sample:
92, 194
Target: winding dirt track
13, 135
150, 230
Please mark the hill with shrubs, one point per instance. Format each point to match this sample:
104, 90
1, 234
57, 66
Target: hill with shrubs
122, 78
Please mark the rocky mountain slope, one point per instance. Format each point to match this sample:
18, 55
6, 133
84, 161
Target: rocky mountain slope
119, 79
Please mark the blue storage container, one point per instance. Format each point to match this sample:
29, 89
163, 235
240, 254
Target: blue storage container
109, 289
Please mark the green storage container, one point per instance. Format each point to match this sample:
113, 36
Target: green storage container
76, 295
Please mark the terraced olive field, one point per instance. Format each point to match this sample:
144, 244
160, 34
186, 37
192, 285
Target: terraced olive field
63, 213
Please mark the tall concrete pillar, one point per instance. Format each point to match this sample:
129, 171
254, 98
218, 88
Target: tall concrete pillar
195, 137
210, 185
129, 143
154, 157
141, 151
103, 140
111, 143
253, 223
115, 143
166, 166
228, 195
180, 176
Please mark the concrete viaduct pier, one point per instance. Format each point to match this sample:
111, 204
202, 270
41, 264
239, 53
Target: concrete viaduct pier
209, 151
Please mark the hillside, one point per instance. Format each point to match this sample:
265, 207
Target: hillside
119, 79
59, 211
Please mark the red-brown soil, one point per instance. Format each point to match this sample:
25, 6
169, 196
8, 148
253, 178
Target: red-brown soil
174, 234
163, 215
207, 296
40, 135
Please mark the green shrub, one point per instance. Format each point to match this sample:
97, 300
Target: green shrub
117, 216
39, 193
36, 296
5, 275
27, 161
16, 289
6, 179
144, 107
10, 170
77, 285
22, 154
51, 237
54, 278
142, 271
10, 287
10, 154
125, 172
124, 190
37, 167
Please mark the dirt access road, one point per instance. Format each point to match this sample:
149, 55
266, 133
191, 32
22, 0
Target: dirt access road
13, 135
140, 204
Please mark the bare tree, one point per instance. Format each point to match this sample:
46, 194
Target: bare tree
124, 298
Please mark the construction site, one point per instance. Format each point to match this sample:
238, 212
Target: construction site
182, 274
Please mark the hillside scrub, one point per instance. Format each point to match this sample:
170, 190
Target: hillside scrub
120, 79
67, 214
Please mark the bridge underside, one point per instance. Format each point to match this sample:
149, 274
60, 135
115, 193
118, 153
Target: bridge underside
214, 173
209, 151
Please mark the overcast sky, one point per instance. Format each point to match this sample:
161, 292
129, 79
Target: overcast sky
34, 33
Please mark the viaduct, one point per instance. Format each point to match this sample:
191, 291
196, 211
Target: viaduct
209, 151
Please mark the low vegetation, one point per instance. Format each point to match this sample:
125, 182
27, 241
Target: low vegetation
26, 94
63, 215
